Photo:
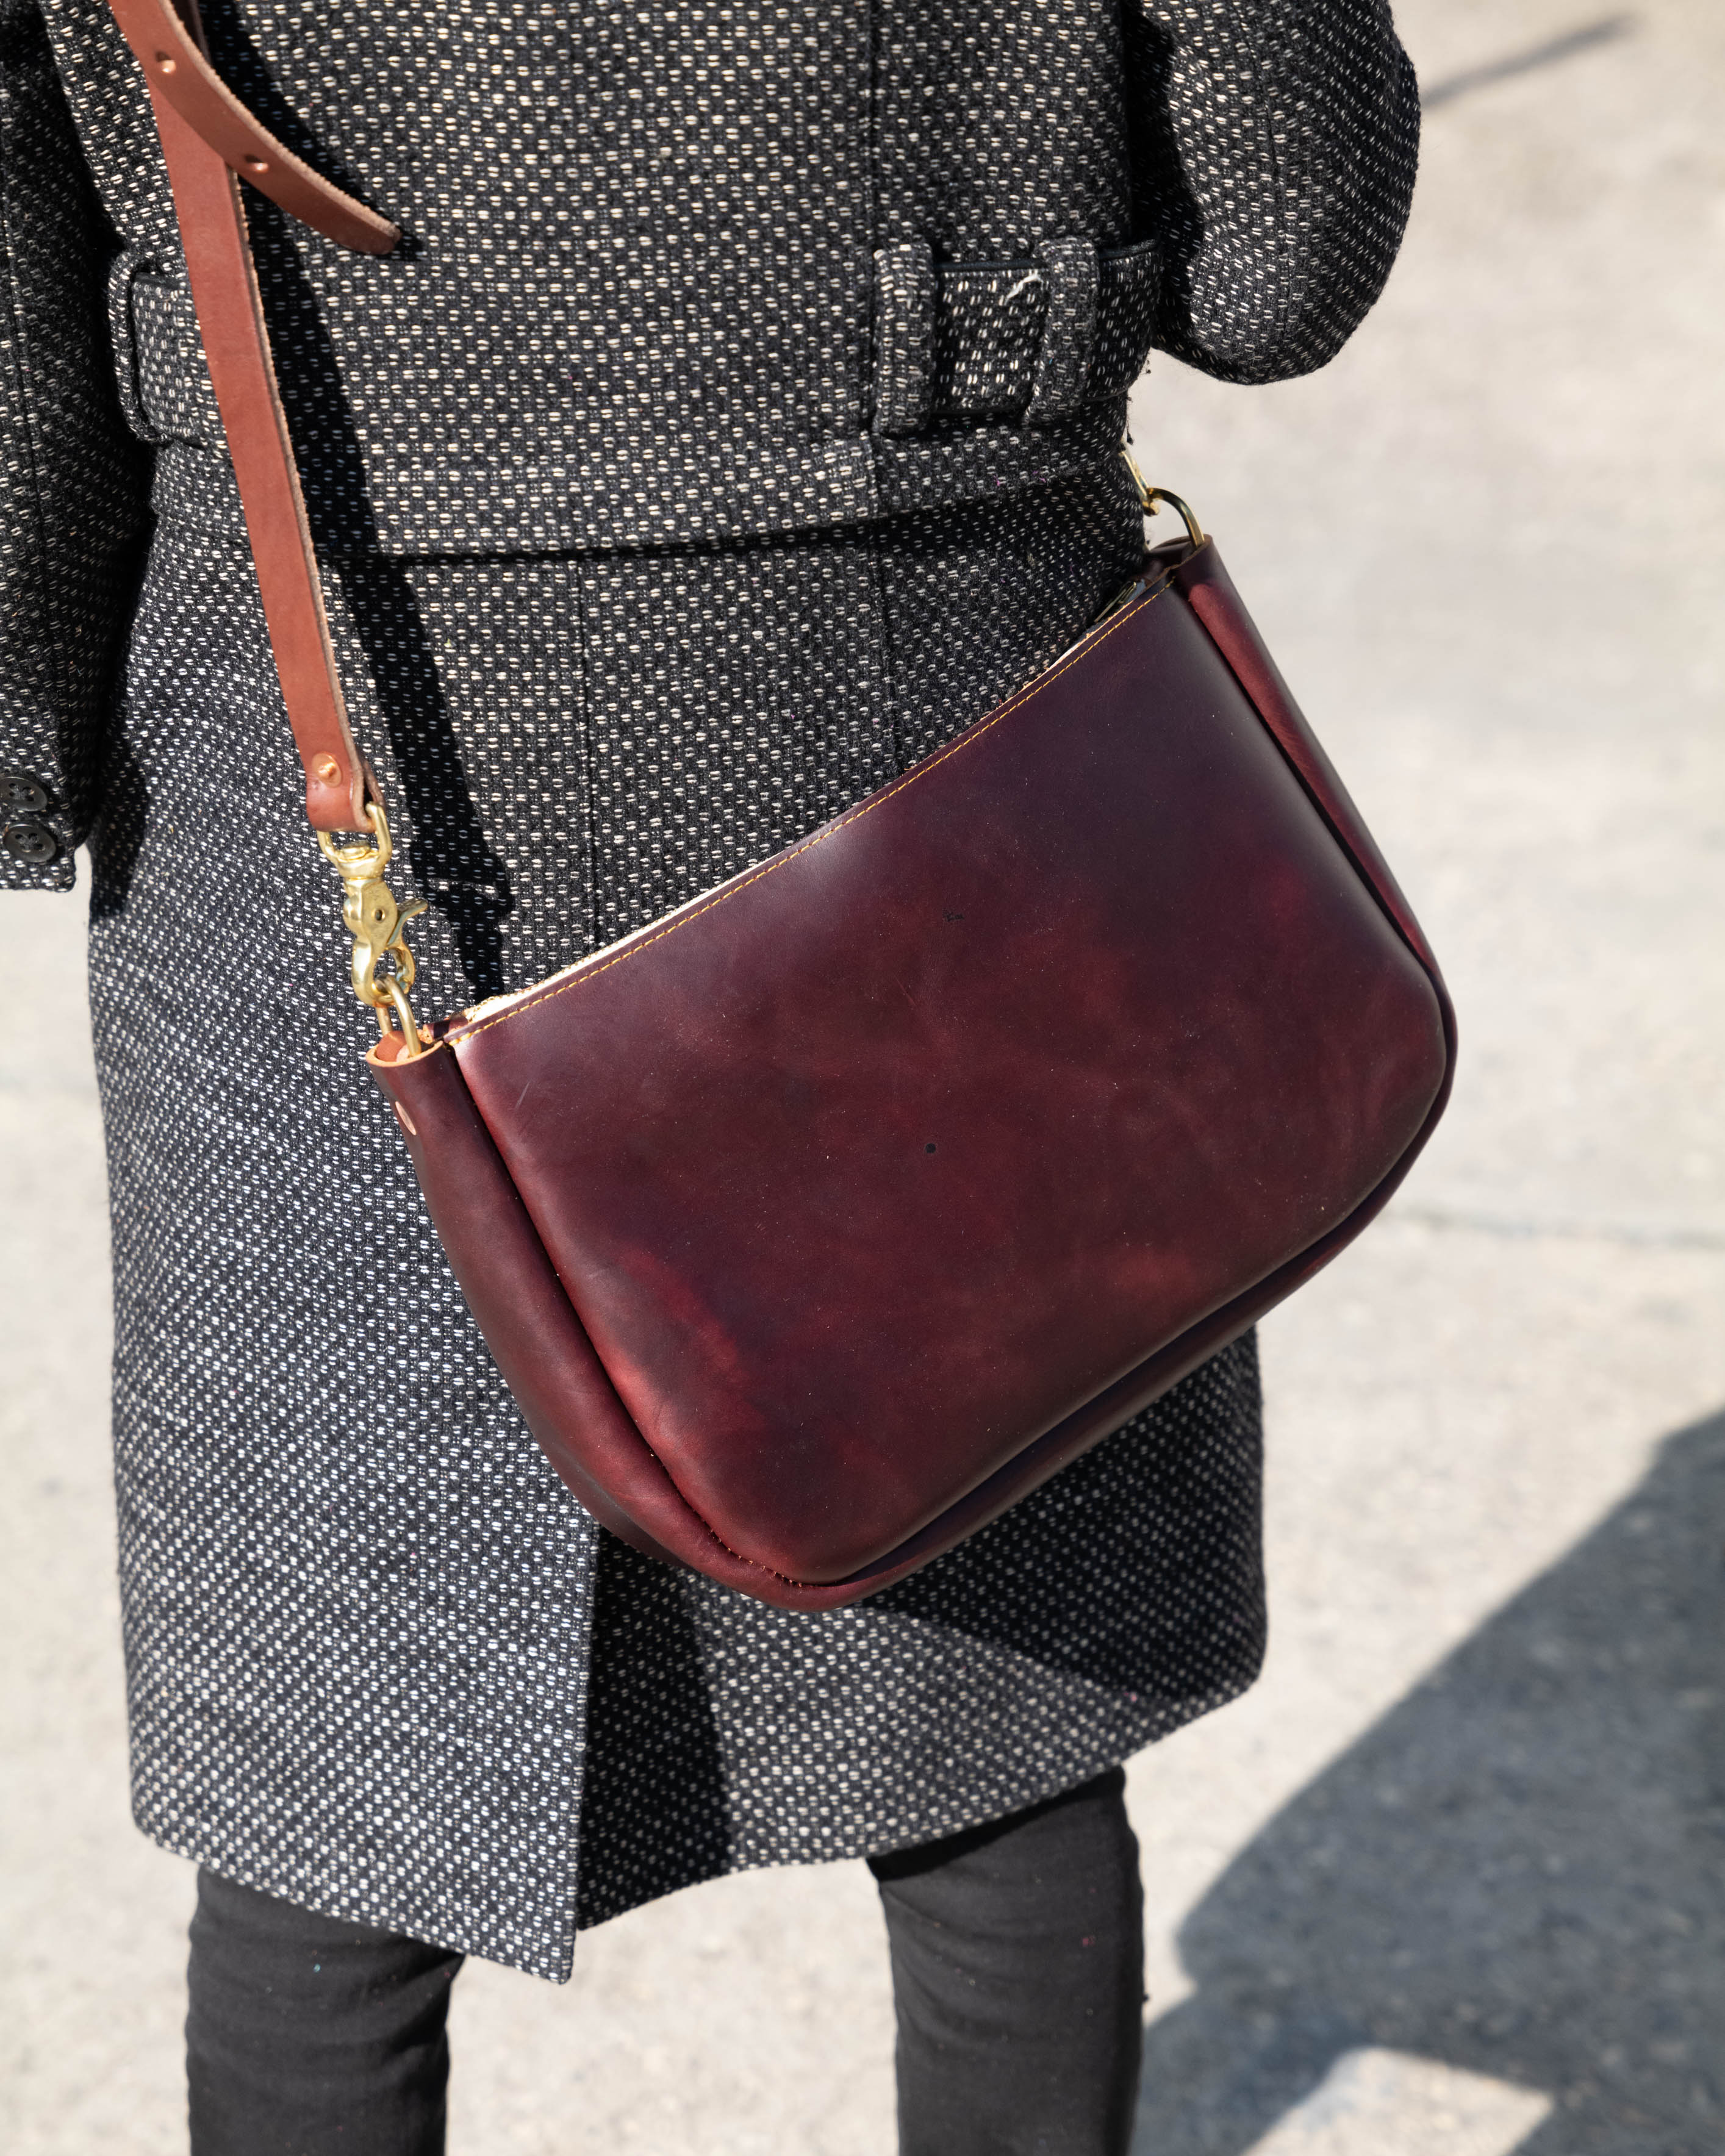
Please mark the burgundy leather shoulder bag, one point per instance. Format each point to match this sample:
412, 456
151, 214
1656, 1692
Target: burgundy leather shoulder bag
818, 1222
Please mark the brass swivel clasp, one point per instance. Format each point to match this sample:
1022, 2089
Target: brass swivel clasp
382, 964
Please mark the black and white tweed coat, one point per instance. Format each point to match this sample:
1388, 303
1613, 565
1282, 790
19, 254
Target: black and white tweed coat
736, 424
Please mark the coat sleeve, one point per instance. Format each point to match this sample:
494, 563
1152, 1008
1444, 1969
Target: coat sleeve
1274, 147
73, 482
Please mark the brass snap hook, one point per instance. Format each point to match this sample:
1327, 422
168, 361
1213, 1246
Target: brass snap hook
376, 921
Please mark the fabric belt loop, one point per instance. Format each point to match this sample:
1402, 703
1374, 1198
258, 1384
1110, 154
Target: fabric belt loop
904, 336
1069, 328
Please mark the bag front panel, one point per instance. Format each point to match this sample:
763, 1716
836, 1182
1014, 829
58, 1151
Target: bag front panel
876, 1164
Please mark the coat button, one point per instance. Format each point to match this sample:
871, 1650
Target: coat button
26, 840
20, 795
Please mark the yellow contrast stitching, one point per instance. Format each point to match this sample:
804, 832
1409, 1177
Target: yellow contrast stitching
967, 740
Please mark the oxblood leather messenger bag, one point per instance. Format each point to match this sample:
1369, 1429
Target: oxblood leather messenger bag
818, 1222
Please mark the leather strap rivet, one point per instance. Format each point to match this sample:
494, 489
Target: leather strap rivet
167, 65
257, 164
326, 770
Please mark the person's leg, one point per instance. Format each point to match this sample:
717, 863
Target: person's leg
307, 2036
1018, 1970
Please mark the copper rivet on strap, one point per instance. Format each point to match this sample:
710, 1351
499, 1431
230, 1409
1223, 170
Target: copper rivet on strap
257, 164
165, 64
326, 770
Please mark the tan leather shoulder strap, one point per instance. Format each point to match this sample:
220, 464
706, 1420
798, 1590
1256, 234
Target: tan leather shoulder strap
171, 52
236, 344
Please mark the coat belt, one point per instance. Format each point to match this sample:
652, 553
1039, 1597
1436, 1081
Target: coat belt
1036, 353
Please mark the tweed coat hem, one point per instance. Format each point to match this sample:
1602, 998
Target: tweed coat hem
317, 1890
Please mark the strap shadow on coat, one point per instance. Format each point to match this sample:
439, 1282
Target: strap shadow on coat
451, 862
1519, 1873
242, 67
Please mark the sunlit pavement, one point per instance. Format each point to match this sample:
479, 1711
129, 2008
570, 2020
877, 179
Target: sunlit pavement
1452, 1880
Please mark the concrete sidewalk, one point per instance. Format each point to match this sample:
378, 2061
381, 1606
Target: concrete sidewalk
1452, 1880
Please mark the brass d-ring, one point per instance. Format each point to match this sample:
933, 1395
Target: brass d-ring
1153, 498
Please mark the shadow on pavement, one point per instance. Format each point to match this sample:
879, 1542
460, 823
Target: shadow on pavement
1605, 32
1520, 1872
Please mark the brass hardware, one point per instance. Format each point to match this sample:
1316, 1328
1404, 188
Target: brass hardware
1159, 497
1153, 498
376, 922
326, 770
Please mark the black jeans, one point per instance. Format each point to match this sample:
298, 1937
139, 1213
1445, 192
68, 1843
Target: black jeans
1017, 1970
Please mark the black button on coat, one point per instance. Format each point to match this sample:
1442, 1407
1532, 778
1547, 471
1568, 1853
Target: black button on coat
736, 424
